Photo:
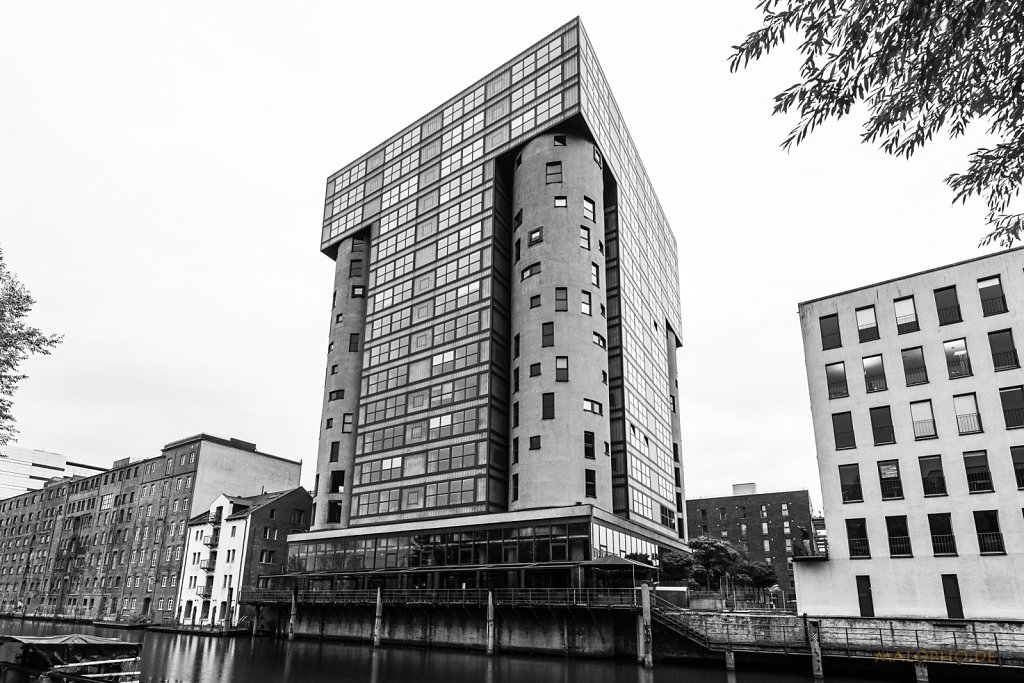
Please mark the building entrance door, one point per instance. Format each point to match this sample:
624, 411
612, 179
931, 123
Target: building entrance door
951, 591
867, 605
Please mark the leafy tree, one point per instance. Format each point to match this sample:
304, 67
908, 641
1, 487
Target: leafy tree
755, 574
17, 342
713, 559
922, 67
676, 566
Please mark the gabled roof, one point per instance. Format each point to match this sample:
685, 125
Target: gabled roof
254, 503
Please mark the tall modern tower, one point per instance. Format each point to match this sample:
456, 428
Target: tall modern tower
504, 325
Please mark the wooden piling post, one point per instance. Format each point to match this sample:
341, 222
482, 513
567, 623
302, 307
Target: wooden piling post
491, 634
378, 619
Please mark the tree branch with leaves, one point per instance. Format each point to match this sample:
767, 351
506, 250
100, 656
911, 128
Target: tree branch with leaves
921, 68
18, 341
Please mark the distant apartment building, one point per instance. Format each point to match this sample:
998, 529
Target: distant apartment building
917, 398
28, 469
769, 527
111, 545
237, 540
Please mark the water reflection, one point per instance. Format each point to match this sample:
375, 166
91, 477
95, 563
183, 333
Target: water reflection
174, 658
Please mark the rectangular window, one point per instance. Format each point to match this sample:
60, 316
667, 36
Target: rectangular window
353, 343
842, 429
590, 482
990, 290
849, 483
515, 414
584, 237
889, 479
1004, 352
990, 538
979, 477
559, 141
585, 305
906, 315
535, 301
588, 208
515, 487
835, 375
923, 419
588, 446
874, 374
336, 395
515, 346
358, 291
518, 251
947, 305
530, 270
355, 268
515, 380
914, 369
830, 337
958, 361
968, 420
534, 443
553, 172
548, 406
881, 426
899, 536
857, 537
561, 202
561, 299
1017, 456
933, 479
535, 370
515, 450
867, 325
595, 274
941, 527
1012, 399
591, 406
346, 423
561, 368
600, 341
536, 236
547, 334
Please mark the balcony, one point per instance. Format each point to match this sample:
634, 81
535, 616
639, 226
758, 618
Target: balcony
208, 565
875, 383
944, 544
959, 367
934, 485
892, 489
211, 541
1006, 360
1014, 417
991, 543
868, 333
899, 546
204, 591
831, 341
994, 305
916, 376
845, 440
838, 389
214, 519
924, 429
906, 324
884, 434
852, 494
816, 549
969, 423
949, 315
859, 547
979, 482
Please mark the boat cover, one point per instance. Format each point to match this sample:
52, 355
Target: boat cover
44, 652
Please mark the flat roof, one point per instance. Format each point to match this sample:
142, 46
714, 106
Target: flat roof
906, 277
748, 495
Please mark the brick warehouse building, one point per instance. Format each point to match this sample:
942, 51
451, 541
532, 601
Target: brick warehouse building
765, 526
111, 545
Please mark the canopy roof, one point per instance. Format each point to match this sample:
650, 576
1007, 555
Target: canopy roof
44, 652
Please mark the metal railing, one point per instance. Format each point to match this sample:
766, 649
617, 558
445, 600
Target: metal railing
991, 542
511, 597
214, 518
907, 323
868, 333
944, 544
846, 440
884, 434
831, 341
949, 315
859, 547
978, 482
1006, 360
899, 546
959, 367
852, 493
211, 541
968, 423
994, 305
208, 565
916, 375
891, 488
1014, 417
924, 429
204, 591
934, 485
875, 383
838, 389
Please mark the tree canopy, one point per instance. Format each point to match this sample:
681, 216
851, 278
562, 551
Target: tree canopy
921, 67
17, 342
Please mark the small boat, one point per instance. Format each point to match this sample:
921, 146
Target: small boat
64, 659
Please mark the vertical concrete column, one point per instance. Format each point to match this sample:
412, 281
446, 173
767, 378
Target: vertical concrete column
814, 640
291, 615
644, 640
730, 660
490, 623
378, 619
921, 672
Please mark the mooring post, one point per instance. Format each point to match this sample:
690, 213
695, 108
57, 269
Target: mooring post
644, 645
378, 618
921, 671
291, 615
490, 623
814, 640
730, 660
256, 619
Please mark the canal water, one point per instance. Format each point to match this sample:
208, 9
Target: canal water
174, 658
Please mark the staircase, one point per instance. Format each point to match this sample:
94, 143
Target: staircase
672, 617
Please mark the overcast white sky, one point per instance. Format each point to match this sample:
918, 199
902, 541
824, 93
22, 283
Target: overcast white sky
162, 173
